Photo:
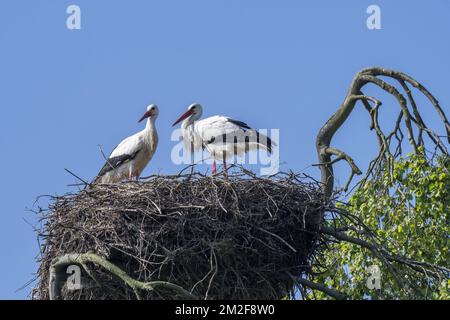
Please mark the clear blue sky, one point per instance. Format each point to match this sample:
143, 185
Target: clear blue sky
273, 64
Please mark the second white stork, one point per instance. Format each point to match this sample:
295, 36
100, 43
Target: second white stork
132, 155
221, 136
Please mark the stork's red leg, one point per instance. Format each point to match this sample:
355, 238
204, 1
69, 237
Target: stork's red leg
225, 169
214, 167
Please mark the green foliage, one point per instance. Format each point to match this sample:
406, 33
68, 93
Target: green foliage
408, 208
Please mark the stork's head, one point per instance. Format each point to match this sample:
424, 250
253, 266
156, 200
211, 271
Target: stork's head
152, 112
194, 112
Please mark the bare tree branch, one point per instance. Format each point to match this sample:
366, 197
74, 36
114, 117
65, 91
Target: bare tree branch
323, 288
378, 250
59, 266
410, 118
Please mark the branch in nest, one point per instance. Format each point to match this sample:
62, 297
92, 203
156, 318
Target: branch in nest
59, 266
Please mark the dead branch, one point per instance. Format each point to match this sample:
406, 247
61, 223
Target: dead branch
57, 275
323, 288
409, 114
379, 250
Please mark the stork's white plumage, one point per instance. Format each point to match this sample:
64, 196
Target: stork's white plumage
132, 155
222, 136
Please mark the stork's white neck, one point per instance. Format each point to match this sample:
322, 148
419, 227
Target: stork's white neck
190, 120
150, 123
186, 123
150, 134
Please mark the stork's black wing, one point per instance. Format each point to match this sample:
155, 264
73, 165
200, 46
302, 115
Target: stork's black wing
114, 162
265, 140
240, 124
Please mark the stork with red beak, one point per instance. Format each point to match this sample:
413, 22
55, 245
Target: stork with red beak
221, 136
132, 155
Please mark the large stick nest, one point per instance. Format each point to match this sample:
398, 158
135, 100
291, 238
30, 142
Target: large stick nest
240, 238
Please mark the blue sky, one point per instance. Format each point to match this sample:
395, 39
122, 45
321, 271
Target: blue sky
273, 64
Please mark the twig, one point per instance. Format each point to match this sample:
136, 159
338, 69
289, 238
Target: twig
73, 174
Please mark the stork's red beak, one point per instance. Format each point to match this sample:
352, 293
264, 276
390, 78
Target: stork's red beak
184, 116
146, 115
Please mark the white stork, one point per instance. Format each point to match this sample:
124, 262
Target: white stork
132, 155
221, 136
